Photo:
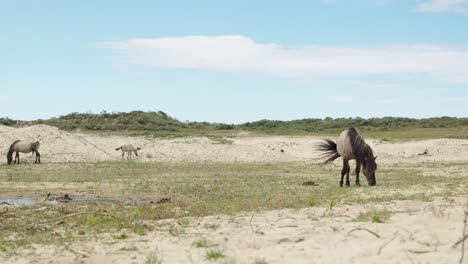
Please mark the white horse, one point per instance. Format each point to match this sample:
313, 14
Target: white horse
24, 147
128, 149
351, 146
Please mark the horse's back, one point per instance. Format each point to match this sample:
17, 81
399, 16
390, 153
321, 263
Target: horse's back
127, 148
344, 146
26, 147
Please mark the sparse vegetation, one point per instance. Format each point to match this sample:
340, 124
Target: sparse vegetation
200, 243
260, 261
160, 124
196, 190
214, 254
374, 216
153, 258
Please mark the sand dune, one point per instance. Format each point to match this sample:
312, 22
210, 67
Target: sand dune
62, 146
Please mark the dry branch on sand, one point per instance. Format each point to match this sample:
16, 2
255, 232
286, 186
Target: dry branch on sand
363, 229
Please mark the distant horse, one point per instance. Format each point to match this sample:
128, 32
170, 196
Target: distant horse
351, 146
129, 149
24, 147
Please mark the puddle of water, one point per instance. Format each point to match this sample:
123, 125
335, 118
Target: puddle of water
35, 200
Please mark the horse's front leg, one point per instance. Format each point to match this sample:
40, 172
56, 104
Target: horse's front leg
17, 158
358, 170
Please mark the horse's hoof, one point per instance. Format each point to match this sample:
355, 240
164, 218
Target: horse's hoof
358, 184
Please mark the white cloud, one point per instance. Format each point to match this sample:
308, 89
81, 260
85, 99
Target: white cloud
241, 54
458, 6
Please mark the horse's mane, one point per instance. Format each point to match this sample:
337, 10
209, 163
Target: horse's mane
361, 150
11, 149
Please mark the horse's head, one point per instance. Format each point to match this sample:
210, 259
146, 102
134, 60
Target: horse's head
9, 157
136, 150
369, 168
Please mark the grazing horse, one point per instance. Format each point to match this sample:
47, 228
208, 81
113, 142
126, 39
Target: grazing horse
129, 149
351, 146
24, 147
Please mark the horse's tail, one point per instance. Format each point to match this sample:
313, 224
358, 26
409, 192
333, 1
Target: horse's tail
11, 150
118, 148
329, 151
35, 146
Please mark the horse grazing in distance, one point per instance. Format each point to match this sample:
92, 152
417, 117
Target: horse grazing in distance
24, 147
351, 146
128, 149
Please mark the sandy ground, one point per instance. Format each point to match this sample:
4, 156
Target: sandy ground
417, 232
61, 146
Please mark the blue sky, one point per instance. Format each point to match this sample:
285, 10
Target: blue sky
235, 61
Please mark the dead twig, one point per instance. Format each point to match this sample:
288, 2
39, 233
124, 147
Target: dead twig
409, 257
464, 238
70, 216
76, 253
287, 217
363, 229
45, 199
65, 217
461, 241
420, 251
386, 243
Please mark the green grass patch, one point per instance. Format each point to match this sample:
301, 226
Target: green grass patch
214, 254
201, 243
374, 216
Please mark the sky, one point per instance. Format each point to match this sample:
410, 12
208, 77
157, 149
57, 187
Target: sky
235, 61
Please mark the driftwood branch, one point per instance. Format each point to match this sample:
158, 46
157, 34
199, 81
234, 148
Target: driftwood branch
363, 229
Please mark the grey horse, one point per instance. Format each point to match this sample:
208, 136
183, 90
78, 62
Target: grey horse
351, 146
128, 149
24, 147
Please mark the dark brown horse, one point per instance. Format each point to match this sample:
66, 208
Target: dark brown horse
351, 146
24, 147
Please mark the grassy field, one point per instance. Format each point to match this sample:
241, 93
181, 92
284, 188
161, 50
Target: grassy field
192, 190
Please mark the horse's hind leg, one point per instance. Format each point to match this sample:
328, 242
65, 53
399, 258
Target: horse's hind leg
348, 169
344, 171
38, 157
358, 170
